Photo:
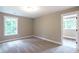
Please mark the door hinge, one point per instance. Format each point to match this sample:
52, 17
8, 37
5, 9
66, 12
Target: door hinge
76, 29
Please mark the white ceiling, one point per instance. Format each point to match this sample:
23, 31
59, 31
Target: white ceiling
43, 10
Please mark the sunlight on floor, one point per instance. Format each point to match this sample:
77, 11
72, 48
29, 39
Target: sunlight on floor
69, 43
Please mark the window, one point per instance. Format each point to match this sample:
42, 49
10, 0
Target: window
10, 25
70, 23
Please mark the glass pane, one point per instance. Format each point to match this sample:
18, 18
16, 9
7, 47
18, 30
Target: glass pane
10, 24
70, 23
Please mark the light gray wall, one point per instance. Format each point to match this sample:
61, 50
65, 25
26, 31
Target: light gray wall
49, 26
24, 27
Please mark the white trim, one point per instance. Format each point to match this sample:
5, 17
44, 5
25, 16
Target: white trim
29, 37
69, 13
16, 39
74, 38
48, 40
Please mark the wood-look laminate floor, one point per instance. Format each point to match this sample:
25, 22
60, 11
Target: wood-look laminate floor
33, 45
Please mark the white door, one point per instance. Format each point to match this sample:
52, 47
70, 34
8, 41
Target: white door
77, 31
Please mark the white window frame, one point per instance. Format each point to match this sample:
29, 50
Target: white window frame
16, 26
69, 16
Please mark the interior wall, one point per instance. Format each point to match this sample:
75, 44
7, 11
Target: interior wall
50, 26
24, 27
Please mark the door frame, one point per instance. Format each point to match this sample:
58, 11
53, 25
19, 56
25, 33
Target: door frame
64, 14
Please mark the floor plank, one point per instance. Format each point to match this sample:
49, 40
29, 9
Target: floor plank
34, 45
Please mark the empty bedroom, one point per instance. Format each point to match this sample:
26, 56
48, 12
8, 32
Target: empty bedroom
39, 29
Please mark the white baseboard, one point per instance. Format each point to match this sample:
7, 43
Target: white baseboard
16, 39
48, 40
25, 37
29, 37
